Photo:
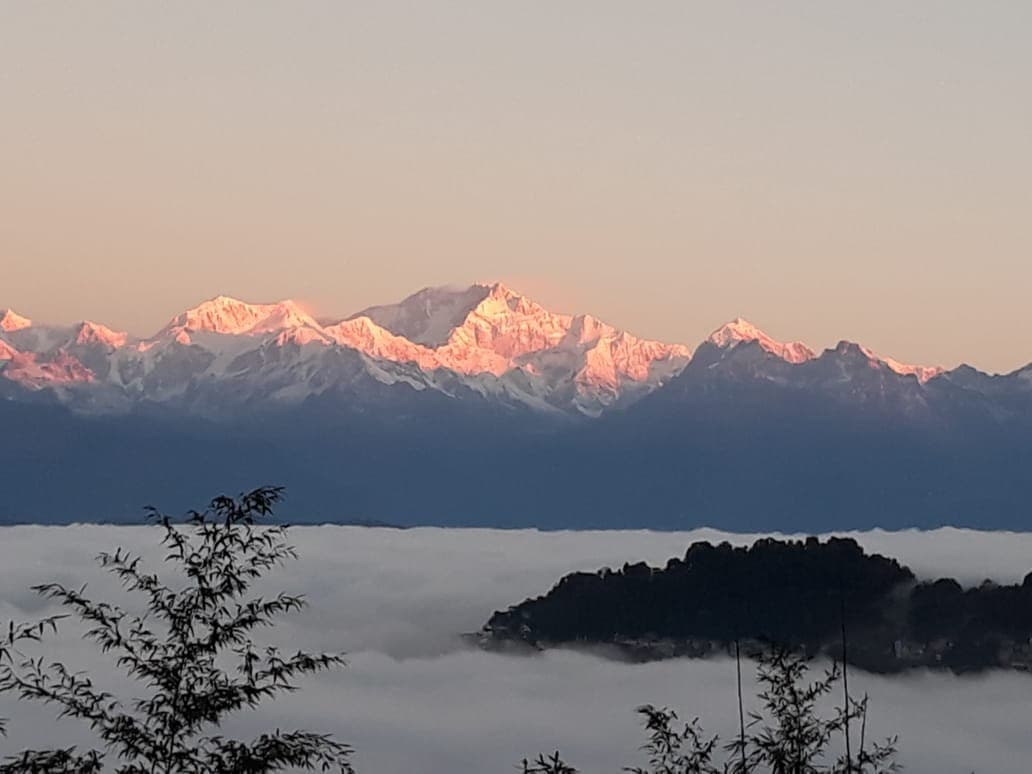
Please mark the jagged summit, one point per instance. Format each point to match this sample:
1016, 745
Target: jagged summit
12, 321
484, 339
363, 334
88, 332
507, 325
491, 329
740, 330
431, 316
922, 373
428, 316
230, 316
734, 331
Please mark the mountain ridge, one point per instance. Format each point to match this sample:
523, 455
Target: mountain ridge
486, 337
489, 337
507, 414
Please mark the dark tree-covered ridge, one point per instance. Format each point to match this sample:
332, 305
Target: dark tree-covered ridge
796, 593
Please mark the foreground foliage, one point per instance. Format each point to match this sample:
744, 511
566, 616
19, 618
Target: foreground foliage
192, 653
787, 736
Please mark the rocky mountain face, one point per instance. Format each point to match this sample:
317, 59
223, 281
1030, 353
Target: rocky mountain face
479, 406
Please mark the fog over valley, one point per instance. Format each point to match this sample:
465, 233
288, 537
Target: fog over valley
415, 697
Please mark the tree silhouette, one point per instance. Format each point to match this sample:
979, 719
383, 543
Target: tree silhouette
192, 653
788, 735
550, 764
670, 751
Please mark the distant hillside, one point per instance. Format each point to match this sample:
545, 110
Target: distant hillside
798, 594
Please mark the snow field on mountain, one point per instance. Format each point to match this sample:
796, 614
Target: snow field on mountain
492, 340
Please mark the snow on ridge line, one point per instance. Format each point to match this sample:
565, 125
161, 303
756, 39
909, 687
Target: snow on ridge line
230, 316
535, 355
482, 330
740, 330
12, 321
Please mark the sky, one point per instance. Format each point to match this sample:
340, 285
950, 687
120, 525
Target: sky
829, 171
413, 698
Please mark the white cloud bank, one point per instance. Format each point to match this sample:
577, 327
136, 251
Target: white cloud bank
415, 700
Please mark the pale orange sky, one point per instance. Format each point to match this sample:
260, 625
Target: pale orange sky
827, 170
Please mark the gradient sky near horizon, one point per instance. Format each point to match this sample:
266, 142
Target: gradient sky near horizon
827, 170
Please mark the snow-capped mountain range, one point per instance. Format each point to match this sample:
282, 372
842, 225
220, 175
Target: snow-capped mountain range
477, 406
484, 341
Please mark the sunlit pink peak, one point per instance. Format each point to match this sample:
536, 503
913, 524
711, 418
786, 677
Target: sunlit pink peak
94, 333
359, 330
12, 321
735, 331
7, 352
502, 292
227, 315
283, 315
363, 334
26, 369
740, 330
923, 373
500, 300
508, 325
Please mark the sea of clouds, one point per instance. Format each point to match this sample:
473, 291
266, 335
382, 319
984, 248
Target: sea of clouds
416, 699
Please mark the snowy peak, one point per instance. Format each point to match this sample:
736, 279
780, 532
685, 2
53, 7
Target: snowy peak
428, 316
221, 314
436, 317
484, 339
508, 325
11, 321
734, 332
501, 299
301, 336
477, 329
922, 373
491, 330
739, 330
232, 317
619, 361
515, 300
91, 333
586, 329
283, 316
363, 334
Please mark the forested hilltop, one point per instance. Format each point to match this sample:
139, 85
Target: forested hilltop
801, 594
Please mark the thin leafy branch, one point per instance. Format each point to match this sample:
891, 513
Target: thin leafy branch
551, 764
786, 734
672, 751
178, 652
